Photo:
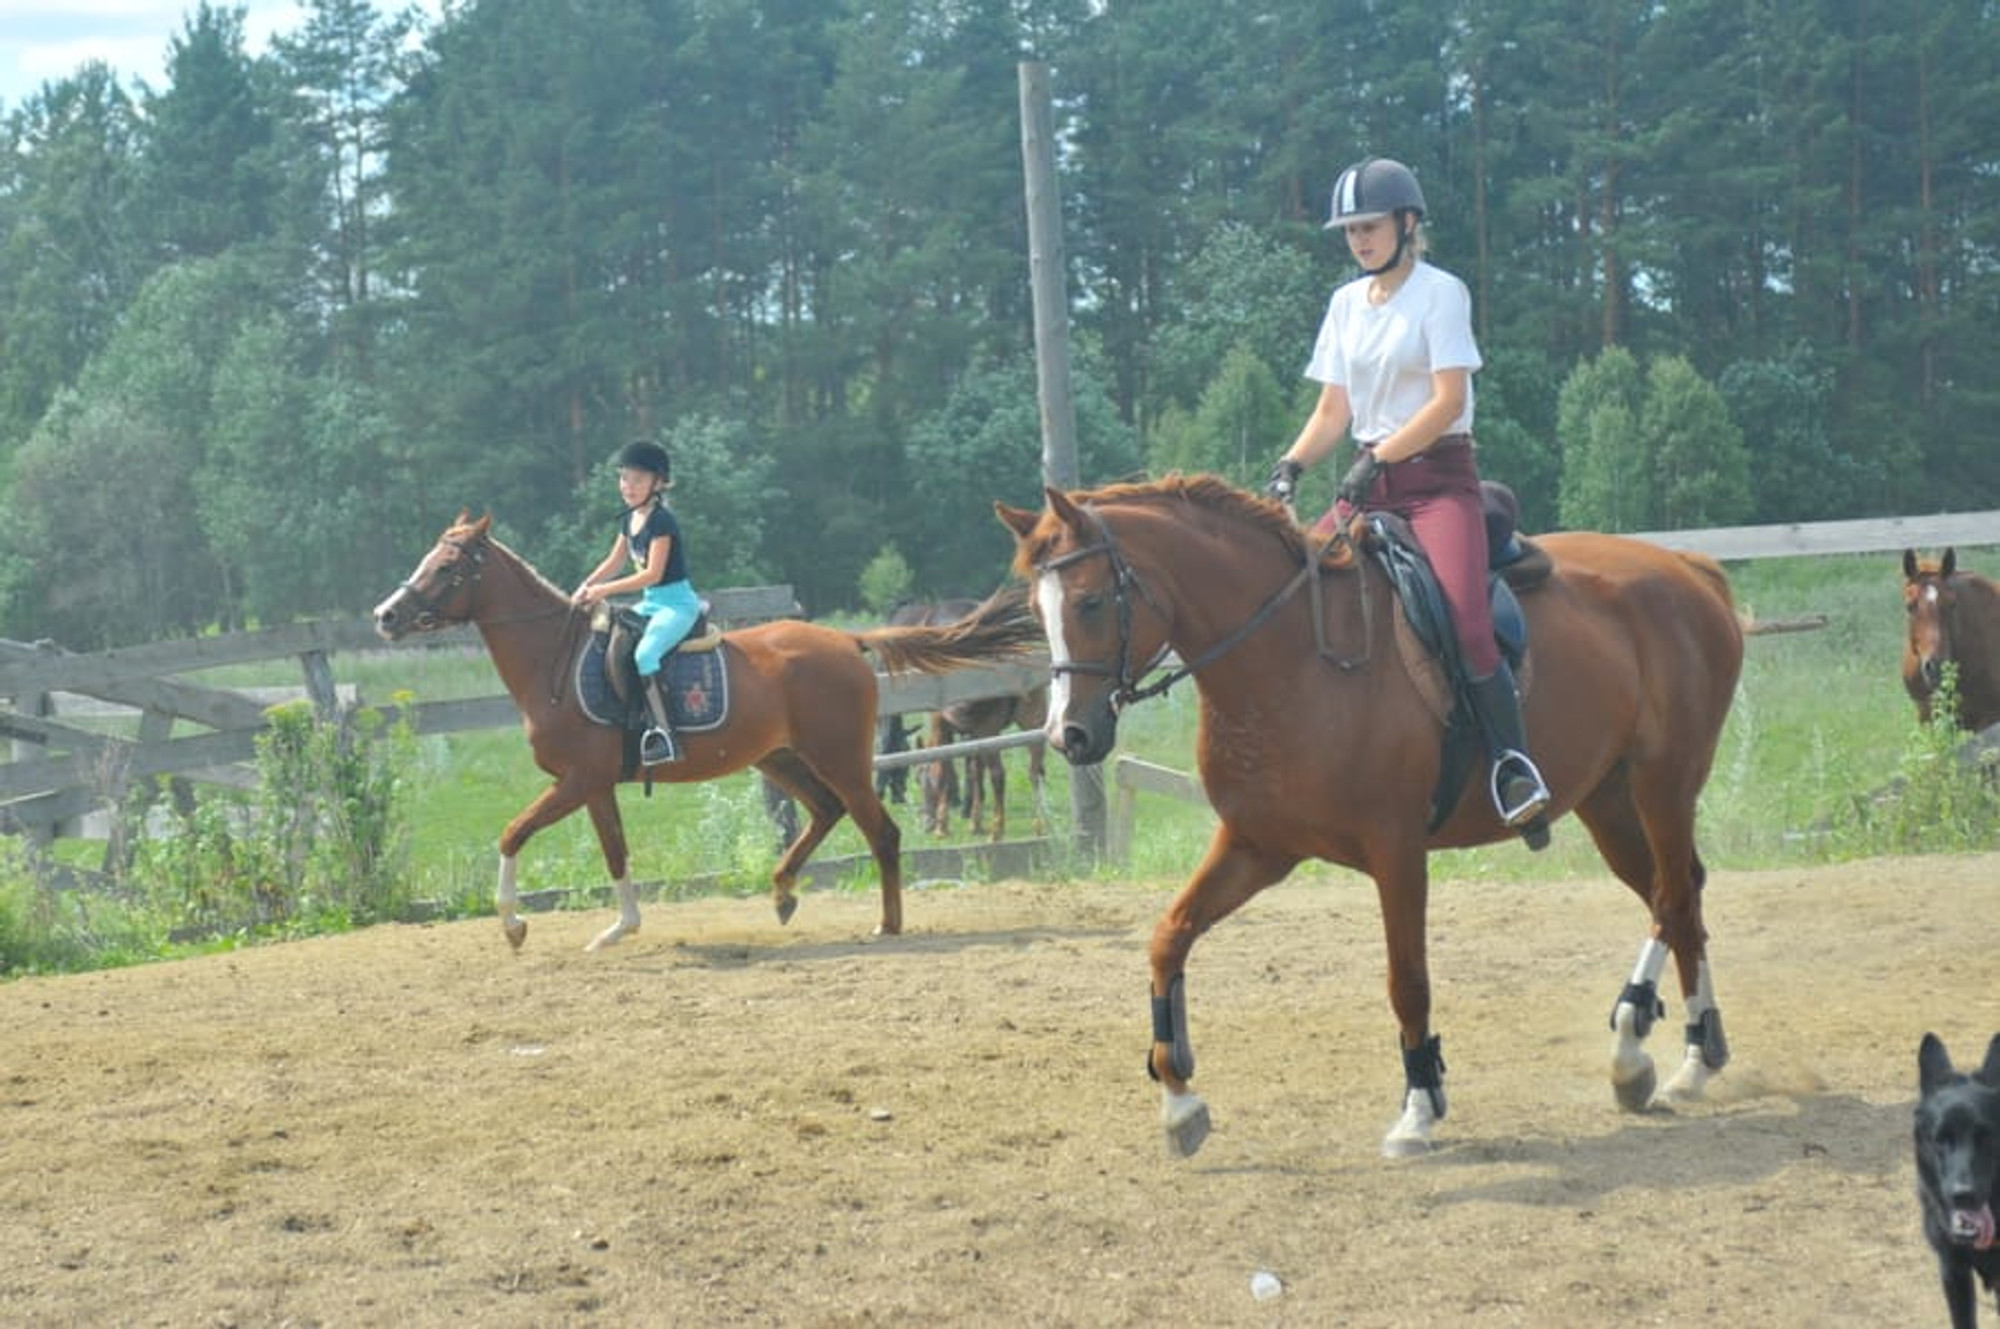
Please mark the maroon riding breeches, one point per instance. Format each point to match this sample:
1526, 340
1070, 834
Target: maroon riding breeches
1437, 493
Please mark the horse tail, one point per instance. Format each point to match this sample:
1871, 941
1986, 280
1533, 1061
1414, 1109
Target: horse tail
1002, 627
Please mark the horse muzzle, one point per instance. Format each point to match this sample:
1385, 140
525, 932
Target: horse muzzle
394, 620
1086, 738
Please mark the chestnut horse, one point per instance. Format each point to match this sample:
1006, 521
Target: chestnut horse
1316, 740
1954, 620
802, 709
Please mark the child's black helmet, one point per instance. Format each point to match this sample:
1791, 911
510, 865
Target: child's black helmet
646, 455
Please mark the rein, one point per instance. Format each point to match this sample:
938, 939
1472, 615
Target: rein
1126, 689
466, 571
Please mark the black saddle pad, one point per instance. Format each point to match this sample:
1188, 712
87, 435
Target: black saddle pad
697, 689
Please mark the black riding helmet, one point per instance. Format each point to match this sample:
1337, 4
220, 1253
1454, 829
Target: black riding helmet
646, 455
1378, 187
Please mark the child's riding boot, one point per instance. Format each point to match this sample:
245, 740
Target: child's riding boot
656, 745
1519, 795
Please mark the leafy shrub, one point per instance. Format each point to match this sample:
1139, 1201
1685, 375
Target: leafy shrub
320, 843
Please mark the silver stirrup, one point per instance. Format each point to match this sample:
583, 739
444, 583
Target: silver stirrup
1533, 805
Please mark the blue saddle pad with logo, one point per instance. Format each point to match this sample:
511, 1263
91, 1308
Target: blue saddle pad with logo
697, 689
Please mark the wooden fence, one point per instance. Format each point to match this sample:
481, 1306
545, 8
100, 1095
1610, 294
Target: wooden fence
1131, 777
64, 770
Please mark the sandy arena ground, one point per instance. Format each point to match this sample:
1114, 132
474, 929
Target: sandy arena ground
724, 1122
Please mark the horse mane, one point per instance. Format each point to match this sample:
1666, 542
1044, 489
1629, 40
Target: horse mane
1211, 493
466, 531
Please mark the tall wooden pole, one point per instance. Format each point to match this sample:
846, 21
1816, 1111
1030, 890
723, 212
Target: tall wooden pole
1058, 410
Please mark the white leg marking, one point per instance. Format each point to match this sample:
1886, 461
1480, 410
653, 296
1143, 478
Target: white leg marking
1048, 595
1411, 1134
1690, 1082
507, 901
628, 916
1185, 1117
1632, 1075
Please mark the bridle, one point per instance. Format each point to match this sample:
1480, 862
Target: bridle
1125, 582
465, 571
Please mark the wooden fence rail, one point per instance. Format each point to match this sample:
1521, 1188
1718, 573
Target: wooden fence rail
63, 771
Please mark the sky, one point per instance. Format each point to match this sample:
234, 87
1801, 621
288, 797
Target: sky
41, 40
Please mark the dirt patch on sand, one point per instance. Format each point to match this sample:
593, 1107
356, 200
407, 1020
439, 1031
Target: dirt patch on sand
722, 1121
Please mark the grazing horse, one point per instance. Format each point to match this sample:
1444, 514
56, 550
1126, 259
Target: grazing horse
1954, 620
802, 701
1318, 739
986, 717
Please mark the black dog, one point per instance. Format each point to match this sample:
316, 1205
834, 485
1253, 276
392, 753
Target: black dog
1958, 1171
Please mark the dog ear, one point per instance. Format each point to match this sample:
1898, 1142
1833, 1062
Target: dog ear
1989, 1074
1934, 1070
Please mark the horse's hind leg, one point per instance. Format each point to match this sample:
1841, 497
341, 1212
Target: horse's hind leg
823, 812
610, 827
1657, 859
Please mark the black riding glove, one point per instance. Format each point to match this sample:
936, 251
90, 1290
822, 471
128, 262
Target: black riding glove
1360, 478
1284, 481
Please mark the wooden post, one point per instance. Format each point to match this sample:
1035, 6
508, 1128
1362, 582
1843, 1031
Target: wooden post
1058, 409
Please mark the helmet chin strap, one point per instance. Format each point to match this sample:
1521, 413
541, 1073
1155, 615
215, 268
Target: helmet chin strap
1402, 247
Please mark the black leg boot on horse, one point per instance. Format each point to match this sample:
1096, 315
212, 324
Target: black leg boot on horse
656, 745
1519, 794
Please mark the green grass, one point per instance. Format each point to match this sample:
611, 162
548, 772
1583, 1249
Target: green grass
1820, 722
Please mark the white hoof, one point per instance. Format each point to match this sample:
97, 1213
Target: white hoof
1690, 1083
1634, 1083
1633, 1077
611, 936
1411, 1135
1185, 1117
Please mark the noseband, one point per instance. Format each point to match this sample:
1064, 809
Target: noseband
464, 573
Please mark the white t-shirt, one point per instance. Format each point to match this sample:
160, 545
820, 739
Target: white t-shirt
1384, 355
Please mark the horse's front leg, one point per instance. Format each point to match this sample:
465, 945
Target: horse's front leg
1403, 887
551, 806
1677, 929
610, 828
1229, 875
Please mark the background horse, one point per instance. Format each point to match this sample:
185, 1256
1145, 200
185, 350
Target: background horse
984, 718
1954, 619
1318, 741
802, 709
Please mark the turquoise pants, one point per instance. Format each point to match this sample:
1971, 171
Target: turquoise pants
670, 612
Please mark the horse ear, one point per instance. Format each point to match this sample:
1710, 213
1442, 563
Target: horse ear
1948, 564
1018, 520
483, 525
1909, 565
1059, 503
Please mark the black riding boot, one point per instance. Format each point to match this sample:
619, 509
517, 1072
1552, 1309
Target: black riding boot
656, 745
1519, 795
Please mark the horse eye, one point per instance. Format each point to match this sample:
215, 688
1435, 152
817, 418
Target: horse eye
1090, 605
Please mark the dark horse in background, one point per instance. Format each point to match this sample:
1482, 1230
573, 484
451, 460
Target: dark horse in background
895, 731
986, 717
802, 702
1318, 738
943, 791
1954, 619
